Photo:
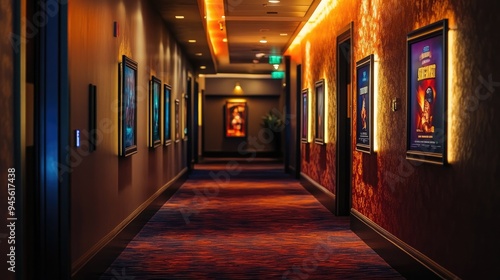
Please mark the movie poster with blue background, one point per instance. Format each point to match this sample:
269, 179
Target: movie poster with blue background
156, 113
363, 131
166, 104
426, 85
129, 92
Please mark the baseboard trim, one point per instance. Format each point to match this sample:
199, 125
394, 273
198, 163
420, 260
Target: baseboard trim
408, 261
323, 195
98, 258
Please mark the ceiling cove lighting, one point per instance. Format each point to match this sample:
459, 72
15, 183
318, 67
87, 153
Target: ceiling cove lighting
214, 11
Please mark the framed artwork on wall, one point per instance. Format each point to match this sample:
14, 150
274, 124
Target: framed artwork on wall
92, 117
154, 113
167, 127
305, 116
236, 119
177, 124
127, 101
364, 103
427, 93
320, 118
185, 102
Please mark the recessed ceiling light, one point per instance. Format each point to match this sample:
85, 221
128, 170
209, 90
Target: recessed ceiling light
198, 54
259, 55
203, 67
263, 40
274, 1
283, 34
192, 41
179, 17
224, 40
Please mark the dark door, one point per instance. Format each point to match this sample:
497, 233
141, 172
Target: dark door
344, 160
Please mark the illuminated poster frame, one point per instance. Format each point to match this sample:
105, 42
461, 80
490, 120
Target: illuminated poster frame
364, 103
155, 112
320, 112
127, 141
305, 116
236, 119
427, 90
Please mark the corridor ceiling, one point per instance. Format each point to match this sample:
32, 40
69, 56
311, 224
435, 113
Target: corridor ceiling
243, 23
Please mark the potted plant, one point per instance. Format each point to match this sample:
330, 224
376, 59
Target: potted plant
273, 121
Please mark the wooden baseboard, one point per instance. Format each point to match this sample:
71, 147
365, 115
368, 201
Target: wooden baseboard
408, 261
323, 195
98, 258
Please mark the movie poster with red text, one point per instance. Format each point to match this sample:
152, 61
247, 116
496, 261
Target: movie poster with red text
427, 95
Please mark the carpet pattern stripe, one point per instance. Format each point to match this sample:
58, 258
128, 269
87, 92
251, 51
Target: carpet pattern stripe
246, 222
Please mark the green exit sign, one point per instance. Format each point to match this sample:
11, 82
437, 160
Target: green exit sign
277, 74
274, 59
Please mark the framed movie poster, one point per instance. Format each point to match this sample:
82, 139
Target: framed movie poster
364, 101
427, 93
127, 107
305, 117
236, 119
154, 113
167, 127
185, 103
92, 117
319, 136
177, 122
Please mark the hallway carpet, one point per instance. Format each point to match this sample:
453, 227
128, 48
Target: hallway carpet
246, 221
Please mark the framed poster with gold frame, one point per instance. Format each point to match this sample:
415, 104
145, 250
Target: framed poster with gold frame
236, 119
319, 117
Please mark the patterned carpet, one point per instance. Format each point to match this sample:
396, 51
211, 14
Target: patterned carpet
246, 221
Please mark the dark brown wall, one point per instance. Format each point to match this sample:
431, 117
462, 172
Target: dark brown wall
106, 189
261, 95
7, 124
251, 86
449, 213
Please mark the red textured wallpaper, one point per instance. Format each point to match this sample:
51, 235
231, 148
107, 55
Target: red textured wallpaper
446, 212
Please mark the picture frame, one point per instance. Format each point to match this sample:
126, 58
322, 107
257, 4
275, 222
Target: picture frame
127, 101
236, 118
177, 122
92, 117
167, 116
185, 102
320, 114
427, 76
154, 112
364, 105
304, 116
